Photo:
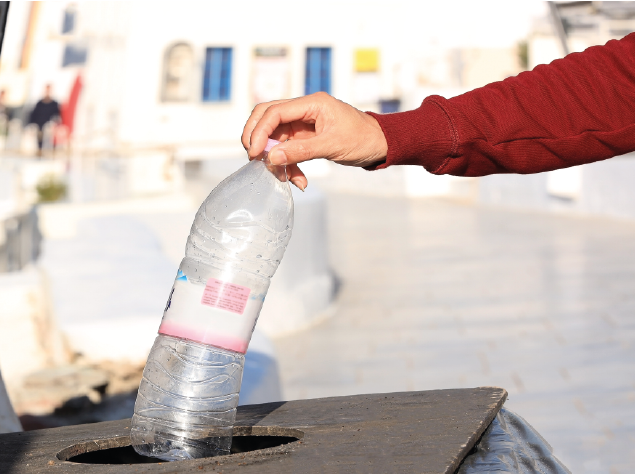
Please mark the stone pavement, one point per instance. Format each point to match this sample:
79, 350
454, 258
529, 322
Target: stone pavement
437, 294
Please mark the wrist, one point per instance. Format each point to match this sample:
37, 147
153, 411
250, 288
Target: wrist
376, 144
418, 137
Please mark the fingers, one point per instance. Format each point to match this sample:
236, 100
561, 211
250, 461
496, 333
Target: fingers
255, 116
297, 177
303, 109
300, 150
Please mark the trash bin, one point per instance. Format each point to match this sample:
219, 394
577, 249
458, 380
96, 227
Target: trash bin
422, 432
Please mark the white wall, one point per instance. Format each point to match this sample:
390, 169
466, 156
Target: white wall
30, 339
607, 187
135, 62
602, 188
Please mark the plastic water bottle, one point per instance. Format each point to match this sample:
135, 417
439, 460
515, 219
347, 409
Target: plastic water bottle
186, 405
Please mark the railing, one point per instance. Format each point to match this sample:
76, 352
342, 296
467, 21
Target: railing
20, 240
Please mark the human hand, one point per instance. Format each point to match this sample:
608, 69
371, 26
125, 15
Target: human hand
314, 126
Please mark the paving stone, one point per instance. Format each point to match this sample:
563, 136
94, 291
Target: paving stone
440, 294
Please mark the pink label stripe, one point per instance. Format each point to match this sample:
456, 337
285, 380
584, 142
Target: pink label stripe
204, 336
226, 296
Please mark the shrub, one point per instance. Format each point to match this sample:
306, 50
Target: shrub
50, 188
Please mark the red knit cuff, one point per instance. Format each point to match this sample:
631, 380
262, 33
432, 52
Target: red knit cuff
423, 136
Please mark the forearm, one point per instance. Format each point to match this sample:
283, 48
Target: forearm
576, 110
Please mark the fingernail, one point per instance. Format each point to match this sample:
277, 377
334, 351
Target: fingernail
278, 157
298, 184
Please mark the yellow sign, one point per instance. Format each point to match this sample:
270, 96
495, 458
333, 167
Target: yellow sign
366, 60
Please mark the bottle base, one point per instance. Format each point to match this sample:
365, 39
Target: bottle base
170, 453
166, 444
186, 404
173, 451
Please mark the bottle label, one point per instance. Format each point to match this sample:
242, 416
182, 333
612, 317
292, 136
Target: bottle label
219, 313
230, 297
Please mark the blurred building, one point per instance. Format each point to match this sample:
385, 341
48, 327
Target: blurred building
575, 26
157, 89
601, 188
180, 79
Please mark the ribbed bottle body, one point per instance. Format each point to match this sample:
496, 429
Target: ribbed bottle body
186, 405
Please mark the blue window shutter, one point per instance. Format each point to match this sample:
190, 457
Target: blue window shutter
225, 88
217, 74
207, 74
326, 70
318, 70
312, 71
69, 20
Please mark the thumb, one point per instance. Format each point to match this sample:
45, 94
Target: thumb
299, 150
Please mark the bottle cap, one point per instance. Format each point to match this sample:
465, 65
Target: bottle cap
270, 144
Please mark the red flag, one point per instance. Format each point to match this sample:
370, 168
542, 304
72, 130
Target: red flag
68, 109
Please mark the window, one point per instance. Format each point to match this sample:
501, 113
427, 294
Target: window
217, 75
366, 60
271, 71
389, 106
68, 23
177, 71
74, 54
318, 70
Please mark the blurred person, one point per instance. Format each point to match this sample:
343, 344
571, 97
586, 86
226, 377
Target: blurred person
45, 110
575, 110
3, 107
5, 115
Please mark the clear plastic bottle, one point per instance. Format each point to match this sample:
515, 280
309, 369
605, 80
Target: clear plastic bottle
186, 405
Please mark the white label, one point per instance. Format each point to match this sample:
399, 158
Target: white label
220, 313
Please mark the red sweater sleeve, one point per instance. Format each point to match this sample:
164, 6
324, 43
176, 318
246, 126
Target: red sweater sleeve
576, 110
